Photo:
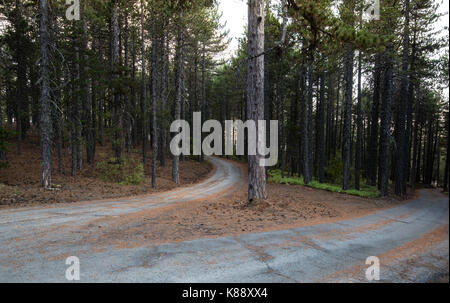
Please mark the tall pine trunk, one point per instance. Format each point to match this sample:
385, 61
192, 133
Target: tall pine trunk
143, 96
178, 93
45, 114
347, 137
307, 127
255, 95
401, 135
320, 129
87, 106
154, 102
385, 135
359, 127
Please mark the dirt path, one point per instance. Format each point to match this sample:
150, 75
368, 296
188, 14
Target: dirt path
411, 241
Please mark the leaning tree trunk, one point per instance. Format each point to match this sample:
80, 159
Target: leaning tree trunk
45, 115
255, 93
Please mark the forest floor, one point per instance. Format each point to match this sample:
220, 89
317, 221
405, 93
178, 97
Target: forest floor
228, 214
207, 232
288, 206
20, 183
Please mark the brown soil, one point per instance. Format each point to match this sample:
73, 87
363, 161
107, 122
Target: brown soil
20, 182
223, 214
229, 215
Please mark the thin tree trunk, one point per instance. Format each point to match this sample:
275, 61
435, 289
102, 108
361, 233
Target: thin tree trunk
385, 136
336, 141
78, 126
348, 115
45, 118
359, 127
143, 91
2, 152
446, 173
135, 124
416, 145
154, 103
204, 105
177, 103
401, 140
320, 129
183, 89
116, 102
283, 127
86, 94
307, 128
330, 118
162, 105
372, 163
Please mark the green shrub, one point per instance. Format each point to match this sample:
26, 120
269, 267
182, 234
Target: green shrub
5, 136
335, 169
366, 190
126, 172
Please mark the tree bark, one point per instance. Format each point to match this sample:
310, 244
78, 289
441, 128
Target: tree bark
385, 136
154, 101
177, 103
88, 131
307, 128
255, 95
115, 95
359, 127
446, 173
401, 140
320, 129
348, 116
373, 142
45, 115
143, 99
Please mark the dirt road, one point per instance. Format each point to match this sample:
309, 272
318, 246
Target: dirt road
411, 242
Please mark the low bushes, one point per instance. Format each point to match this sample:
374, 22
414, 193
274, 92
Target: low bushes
126, 172
366, 190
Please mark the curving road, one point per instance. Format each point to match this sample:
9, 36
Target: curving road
411, 242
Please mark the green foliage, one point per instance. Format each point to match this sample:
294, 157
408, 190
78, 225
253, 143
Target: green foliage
5, 136
366, 191
335, 169
126, 172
